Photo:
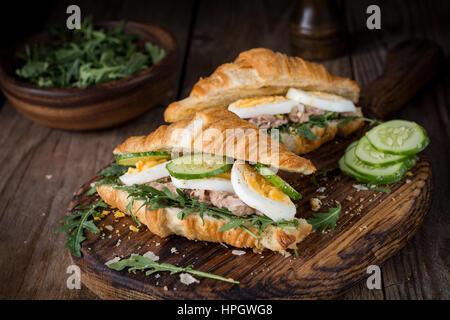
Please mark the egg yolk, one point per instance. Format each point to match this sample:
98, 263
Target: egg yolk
144, 164
226, 175
252, 102
263, 187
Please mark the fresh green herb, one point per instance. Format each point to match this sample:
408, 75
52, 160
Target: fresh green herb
376, 188
137, 262
90, 56
324, 220
350, 118
304, 129
111, 176
296, 253
323, 172
78, 222
156, 199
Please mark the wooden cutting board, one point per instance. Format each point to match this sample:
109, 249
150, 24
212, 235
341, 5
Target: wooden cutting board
372, 226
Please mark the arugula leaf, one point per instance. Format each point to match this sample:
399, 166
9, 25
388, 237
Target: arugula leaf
92, 56
304, 129
154, 199
377, 188
137, 262
156, 52
78, 222
111, 175
322, 221
115, 170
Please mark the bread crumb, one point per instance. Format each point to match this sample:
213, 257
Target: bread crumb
174, 250
321, 189
285, 253
109, 227
115, 259
408, 181
360, 187
315, 204
238, 252
349, 198
165, 288
118, 242
151, 256
187, 279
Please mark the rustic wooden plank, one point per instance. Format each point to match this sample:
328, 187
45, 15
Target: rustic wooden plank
418, 271
223, 29
338, 66
372, 226
27, 141
31, 152
222, 32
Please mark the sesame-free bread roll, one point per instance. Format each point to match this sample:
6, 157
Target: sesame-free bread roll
220, 132
164, 222
259, 72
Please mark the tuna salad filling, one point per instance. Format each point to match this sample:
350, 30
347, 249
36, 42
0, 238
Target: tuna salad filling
299, 114
220, 199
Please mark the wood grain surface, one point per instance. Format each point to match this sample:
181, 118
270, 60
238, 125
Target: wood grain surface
373, 225
42, 167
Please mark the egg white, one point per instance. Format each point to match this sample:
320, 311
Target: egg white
271, 208
320, 100
279, 107
154, 173
213, 183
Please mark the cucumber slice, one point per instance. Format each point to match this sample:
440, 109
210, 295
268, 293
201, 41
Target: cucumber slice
197, 166
352, 173
130, 159
277, 181
365, 152
398, 137
377, 175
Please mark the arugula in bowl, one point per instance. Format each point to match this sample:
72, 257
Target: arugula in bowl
87, 57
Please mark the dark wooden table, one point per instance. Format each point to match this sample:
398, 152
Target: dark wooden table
42, 167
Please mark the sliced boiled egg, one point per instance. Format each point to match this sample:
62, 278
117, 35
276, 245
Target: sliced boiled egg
145, 171
321, 100
250, 108
220, 182
257, 192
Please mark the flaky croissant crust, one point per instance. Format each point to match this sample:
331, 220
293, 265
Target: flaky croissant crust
164, 222
259, 72
221, 132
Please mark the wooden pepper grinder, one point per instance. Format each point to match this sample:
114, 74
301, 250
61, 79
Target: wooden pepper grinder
317, 30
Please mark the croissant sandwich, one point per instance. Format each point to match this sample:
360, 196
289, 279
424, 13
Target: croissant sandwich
308, 105
211, 178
